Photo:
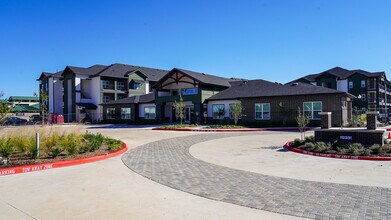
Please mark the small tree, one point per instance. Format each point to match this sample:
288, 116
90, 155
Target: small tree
4, 108
302, 122
236, 111
179, 108
43, 98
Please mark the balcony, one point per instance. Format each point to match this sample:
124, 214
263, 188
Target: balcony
383, 87
371, 100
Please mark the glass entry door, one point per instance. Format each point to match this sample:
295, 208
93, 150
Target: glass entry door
189, 112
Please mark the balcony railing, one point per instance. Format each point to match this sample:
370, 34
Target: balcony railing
109, 86
371, 100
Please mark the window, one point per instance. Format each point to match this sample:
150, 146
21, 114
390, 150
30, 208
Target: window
218, 111
110, 113
350, 84
120, 85
363, 83
363, 97
106, 98
149, 112
136, 85
125, 113
312, 109
121, 97
262, 111
106, 84
191, 91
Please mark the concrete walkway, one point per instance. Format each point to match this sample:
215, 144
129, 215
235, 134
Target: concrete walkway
264, 154
170, 163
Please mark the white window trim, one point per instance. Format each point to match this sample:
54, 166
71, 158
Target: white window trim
138, 83
145, 113
122, 85
126, 114
365, 83
255, 111
109, 116
312, 109
213, 113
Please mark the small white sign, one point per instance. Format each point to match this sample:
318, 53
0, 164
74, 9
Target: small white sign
345, 137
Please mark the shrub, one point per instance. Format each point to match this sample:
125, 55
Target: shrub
366, 152
354, 149
309, 145
71, 143
338, 145
113, 144
319, 146
376, 149
96, 142
32, 152
51, 141
309, 138
297, 142
6, 148
56, 150
21, 143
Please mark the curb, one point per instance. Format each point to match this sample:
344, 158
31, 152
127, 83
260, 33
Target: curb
58, 164
228, 130
300, 151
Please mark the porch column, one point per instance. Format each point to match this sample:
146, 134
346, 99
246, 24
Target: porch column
325, 120
371, 120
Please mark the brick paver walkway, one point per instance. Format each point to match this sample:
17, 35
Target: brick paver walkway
169, 162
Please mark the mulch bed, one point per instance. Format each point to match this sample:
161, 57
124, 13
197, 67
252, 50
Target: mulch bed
20, 159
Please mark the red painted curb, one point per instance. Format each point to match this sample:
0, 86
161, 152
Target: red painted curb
58, 164
300, 151
227, 130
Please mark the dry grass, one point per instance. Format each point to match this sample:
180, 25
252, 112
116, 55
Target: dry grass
44, 131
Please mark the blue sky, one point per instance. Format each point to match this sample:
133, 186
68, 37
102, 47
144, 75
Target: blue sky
272, 40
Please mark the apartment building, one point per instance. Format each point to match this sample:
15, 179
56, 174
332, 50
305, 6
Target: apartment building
51, 84
205, 95
84, 89
371, 89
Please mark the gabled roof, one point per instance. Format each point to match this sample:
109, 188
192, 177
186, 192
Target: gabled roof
340, 73
202, 78
48, 75
119, 70
85, 71
147, 98
262, 88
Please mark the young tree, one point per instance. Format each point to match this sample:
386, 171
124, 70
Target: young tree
236, 111
302, 122
43, 98
4, 108
179, 109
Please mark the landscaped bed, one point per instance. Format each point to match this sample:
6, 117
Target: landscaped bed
341, 148
19, 148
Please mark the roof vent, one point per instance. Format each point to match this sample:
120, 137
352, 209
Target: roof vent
294, 84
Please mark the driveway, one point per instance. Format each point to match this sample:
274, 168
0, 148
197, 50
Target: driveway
170, 163
109, 190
